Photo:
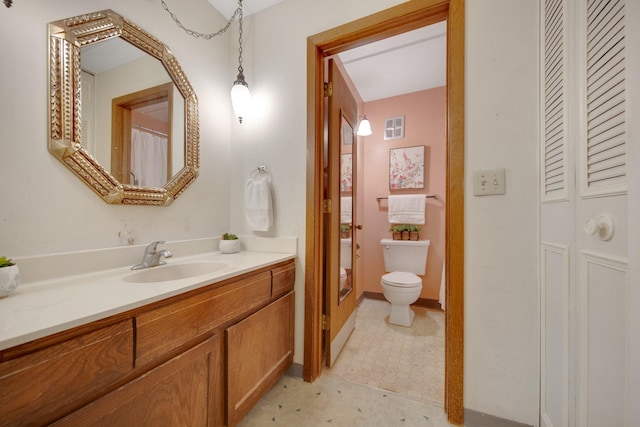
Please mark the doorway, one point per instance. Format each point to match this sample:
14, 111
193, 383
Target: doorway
393, 21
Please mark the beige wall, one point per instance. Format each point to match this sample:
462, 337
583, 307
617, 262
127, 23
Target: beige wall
44, 207
425, 124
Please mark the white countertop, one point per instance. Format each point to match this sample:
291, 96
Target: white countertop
44, 307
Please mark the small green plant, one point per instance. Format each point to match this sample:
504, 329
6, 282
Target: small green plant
399, 228
6, 262
229, 236
345, 227
413, 227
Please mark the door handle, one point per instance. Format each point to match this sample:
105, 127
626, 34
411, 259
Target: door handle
359, 226
603, 226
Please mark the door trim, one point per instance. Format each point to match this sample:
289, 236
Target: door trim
396, 20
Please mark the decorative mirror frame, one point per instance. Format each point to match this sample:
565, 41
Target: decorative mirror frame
66, 38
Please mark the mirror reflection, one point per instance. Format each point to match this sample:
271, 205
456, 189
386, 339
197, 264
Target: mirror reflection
347, 153
123, 116
128, 112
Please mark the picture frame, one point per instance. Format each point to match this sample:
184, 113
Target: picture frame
346, 172
406, 168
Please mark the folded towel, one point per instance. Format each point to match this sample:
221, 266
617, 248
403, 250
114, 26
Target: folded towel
257, 204
345, 210
407, 209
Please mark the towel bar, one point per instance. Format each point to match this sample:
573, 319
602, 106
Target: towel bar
428, 196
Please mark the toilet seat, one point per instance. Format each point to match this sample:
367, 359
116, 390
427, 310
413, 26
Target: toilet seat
401, 279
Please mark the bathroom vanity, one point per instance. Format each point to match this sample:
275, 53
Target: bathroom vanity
202, 356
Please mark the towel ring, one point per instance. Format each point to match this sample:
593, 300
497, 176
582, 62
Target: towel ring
260, 170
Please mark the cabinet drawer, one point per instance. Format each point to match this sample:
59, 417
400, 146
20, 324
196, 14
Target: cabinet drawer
176, 393
163, 329
39, 387
283, 279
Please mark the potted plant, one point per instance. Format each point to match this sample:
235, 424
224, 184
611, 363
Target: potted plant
397, 231
414, 232
345, 231
229, 243
9, 276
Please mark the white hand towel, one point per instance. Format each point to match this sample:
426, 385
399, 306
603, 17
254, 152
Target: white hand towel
257, 204
345, 210
407, 209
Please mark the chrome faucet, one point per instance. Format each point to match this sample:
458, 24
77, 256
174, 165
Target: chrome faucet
152, 256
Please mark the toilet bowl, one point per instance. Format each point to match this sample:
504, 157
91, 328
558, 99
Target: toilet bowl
401, 289
343, 278
404, 260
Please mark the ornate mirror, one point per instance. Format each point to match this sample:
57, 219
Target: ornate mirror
122, 114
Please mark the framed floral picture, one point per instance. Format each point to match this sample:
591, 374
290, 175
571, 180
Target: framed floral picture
346, 172
406, 168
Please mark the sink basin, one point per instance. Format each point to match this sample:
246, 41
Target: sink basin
166, 273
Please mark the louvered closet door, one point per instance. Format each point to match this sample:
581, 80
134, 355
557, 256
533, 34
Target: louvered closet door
557, 231
601, 216
585, 334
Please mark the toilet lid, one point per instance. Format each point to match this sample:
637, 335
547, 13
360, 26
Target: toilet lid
401, 279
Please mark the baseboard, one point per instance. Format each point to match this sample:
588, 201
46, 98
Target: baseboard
295, 370
422, 302
478, 419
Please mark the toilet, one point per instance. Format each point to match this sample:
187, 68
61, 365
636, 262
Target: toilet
345, 260
343, 278
404, 260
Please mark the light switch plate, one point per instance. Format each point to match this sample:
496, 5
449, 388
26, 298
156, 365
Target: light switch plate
489, 182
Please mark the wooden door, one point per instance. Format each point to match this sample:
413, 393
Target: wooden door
340, 301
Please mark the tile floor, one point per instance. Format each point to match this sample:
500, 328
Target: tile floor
360, 390
406, 361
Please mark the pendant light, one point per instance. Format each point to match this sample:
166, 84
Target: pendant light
364, 128
240, 96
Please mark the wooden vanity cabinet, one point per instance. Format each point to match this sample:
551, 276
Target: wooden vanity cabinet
176, 393
259, 351
38, 387
202, 358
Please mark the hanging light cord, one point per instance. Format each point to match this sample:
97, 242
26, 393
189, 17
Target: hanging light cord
192, 33
239, 11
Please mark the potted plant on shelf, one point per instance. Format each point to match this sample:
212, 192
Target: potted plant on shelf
414, 232
9, 276
229, 243
345, 231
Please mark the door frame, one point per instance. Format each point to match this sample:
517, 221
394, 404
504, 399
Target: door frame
396, 20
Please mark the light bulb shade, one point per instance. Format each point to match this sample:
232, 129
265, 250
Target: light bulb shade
240, 97
364, 129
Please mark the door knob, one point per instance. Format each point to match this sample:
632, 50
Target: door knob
602, 226
359, 226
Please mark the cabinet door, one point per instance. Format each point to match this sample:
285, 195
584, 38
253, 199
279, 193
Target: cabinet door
176, 393
259, 351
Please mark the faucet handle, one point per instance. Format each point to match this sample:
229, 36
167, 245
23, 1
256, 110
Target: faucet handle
152, 247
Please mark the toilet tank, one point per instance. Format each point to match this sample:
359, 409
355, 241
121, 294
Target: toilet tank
405, 255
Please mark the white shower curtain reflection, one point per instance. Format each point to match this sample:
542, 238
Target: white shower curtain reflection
149, 158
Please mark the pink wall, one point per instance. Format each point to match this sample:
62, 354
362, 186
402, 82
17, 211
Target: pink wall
425, 124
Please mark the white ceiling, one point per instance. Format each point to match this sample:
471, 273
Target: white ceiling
406, 63
249, 7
